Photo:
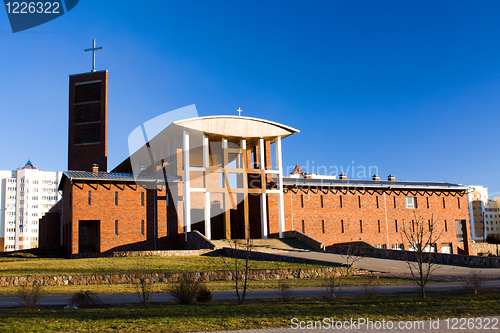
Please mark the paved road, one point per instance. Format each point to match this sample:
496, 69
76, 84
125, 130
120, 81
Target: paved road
8, 302
396, 267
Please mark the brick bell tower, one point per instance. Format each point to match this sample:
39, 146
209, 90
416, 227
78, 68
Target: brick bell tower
88, 119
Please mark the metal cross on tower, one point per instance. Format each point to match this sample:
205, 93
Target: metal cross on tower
93, 49
239, 112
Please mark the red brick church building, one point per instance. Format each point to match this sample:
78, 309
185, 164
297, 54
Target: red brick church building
223, 176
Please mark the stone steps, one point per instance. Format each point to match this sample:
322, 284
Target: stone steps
264, 244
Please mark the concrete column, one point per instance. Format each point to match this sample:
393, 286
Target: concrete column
263, 196
227, 201
279, 167
187, 185
206, 164
243, 145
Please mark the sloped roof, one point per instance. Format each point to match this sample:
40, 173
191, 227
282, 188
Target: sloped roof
357, 183
297, 170
114, 177
28, 165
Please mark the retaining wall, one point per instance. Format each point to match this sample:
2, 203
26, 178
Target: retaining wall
438, 258
269, 274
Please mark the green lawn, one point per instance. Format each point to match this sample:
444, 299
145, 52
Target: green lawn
58, 266
225, 316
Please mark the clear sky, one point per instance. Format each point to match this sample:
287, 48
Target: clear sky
409, 87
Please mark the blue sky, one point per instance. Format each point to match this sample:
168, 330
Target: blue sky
411, 87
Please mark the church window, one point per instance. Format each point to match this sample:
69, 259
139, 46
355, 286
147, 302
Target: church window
411, 202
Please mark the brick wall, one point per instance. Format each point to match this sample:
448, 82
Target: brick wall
81, 157
136, 221
361, 216
50, 230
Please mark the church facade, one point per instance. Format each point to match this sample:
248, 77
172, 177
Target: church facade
223, 176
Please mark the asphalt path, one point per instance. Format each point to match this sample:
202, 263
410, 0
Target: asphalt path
61, 301
396, 267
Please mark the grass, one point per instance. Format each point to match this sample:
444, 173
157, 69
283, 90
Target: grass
258, 314
101, 289
24, 266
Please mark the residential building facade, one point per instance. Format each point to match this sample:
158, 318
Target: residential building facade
477, 198
26, 194
492, 217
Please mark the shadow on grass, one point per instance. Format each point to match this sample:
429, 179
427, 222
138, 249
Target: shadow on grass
34, 253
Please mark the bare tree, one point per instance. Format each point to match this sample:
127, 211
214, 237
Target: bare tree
421, 237
333, 286
353, 254
285, 290
474, 281
143, 282
240, 274
30, 295
371, 287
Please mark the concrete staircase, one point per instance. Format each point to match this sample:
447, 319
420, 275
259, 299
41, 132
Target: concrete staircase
265, 245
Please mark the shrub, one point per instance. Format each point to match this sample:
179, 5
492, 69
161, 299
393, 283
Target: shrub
143, 282
30, 295
474, 281
204, 294
285, 291
371, 288
333, 286
190, 291
85, 300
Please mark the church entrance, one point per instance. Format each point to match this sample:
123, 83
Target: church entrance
89, 236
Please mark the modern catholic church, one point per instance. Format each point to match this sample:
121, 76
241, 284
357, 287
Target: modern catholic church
222, 176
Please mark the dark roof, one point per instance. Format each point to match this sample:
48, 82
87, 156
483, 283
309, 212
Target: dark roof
114, 176
369, 183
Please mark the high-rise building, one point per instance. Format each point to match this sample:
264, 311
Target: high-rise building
492, 217
26, 194
477, 198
